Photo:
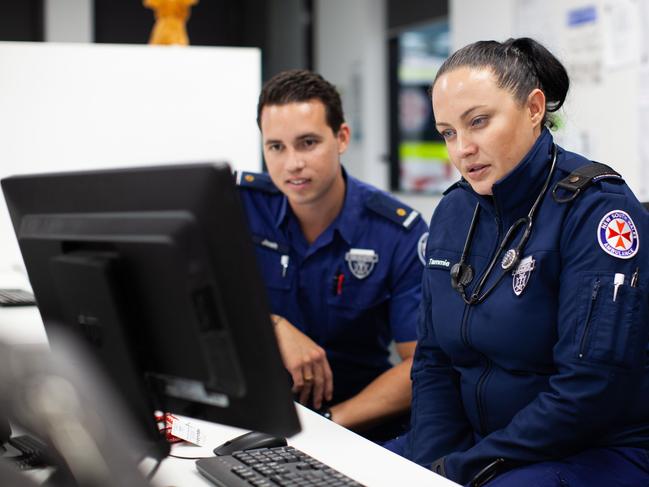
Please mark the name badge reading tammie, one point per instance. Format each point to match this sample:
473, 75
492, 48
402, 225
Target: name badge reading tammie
361, 262
439, 263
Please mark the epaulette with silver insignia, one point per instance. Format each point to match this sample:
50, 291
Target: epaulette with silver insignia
392, 209
255, 180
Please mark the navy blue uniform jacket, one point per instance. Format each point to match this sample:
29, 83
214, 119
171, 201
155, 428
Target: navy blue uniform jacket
552, 371
354, 289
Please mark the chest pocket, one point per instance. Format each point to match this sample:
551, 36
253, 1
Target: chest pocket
270, 259
357, 294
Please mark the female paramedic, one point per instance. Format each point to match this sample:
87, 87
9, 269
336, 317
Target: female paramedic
532, 366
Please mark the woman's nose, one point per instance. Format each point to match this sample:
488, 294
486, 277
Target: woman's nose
465, 145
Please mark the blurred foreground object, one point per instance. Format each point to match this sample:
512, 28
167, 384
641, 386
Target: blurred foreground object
60, 397
171, 17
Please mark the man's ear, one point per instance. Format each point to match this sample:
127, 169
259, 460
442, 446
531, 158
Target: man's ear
343, 136
536, 106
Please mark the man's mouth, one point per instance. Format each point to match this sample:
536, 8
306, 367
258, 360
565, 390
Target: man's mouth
297, 182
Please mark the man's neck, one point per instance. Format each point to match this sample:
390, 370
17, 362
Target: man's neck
315, 218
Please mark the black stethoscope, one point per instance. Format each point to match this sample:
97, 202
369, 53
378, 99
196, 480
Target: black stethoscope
462, 273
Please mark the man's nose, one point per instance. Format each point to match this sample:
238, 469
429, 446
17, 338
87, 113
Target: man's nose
295, 161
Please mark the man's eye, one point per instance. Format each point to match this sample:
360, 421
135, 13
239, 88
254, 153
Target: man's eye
274, 147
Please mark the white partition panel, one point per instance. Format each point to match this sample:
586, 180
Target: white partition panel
84, 106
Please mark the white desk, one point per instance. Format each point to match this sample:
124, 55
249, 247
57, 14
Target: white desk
20, 325
334, 445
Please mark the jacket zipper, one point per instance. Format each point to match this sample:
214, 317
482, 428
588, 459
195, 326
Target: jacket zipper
478, 396
465, 336
464, 332
591, 305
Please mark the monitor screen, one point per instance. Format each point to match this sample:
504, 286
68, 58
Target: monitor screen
154, 267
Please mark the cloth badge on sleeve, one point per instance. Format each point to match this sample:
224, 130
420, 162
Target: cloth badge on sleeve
617, 235
361, 262
421, 248
521, 276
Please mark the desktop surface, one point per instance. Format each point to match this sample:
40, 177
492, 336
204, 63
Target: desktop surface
337, 447
320, 438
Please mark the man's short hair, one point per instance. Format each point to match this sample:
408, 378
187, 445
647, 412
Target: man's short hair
301, 85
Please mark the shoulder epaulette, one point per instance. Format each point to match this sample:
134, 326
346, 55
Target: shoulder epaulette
254, 180
582, 177
392, 209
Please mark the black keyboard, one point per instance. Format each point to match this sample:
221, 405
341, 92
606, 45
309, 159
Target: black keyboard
16, 297
26, 452
271, 467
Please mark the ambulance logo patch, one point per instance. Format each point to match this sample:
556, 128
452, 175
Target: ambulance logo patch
617, 235
361, 262
421, 248
521, 276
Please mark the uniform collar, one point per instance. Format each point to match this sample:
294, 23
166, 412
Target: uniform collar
514, 194
345, 223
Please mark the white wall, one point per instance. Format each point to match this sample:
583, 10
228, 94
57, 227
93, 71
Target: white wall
68, 20
601, 116
351, 52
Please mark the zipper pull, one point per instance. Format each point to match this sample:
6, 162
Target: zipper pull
283, 260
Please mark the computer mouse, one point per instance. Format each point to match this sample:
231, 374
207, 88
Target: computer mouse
249, 441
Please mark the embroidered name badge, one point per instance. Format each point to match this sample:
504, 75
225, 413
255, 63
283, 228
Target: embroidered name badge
617, 235
521, 276
441, 263
421, 248
361, 262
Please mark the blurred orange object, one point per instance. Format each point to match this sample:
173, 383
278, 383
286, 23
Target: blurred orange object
170, 24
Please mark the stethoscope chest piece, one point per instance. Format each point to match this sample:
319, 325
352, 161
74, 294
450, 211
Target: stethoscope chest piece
461, 275
510, 259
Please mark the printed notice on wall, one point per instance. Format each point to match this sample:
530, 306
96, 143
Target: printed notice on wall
535, 19
583, 44
621, 33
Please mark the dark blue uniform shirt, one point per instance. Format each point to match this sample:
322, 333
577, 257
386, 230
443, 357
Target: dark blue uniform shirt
356, 288
549, 364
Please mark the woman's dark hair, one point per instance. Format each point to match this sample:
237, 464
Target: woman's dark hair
520, 65
300, 85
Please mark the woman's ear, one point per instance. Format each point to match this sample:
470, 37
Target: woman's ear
536, 106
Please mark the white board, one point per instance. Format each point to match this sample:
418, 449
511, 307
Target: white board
86, 106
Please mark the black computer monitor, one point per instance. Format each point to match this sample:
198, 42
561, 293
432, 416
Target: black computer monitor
155, 268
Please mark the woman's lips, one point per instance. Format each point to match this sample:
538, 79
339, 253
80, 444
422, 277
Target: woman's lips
478, 171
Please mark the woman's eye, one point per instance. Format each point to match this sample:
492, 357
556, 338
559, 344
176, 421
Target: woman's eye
478, 121
447, 134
